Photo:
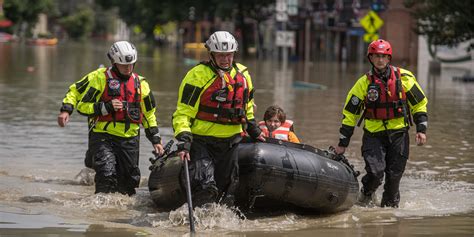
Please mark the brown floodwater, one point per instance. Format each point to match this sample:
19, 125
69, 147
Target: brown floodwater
41, 193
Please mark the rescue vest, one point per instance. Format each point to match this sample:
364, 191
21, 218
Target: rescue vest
225, 100
385, 100
281, 132
126, 91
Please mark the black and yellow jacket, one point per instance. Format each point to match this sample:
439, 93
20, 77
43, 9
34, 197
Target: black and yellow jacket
196, 81
74, 95
354, 108
88, 106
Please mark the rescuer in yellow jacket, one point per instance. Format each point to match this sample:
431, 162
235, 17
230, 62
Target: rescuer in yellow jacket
118, 101
70, 101
215, 101
385, 98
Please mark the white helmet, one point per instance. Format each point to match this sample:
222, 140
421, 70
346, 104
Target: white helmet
221, 42
122, 52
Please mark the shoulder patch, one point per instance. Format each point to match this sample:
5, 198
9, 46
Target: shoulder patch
354, 105
190, 94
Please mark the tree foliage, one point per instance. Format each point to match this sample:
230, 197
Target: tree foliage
444, 22
148, 13
26, 11
80, 23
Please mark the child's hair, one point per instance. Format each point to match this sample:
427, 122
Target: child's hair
275, 110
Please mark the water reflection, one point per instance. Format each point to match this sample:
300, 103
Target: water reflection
283, 92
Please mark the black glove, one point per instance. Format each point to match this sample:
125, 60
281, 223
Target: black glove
153, 135
345, 134
184, 146
421, 121
184, 141
252, 128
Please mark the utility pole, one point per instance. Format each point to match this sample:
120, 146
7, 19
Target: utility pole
307, 34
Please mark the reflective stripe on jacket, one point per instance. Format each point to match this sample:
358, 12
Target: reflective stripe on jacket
75, 92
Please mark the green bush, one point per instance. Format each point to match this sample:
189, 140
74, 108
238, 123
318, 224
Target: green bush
79, 24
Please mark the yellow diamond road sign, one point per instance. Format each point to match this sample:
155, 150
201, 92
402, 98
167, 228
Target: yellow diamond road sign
371, 22
370, 37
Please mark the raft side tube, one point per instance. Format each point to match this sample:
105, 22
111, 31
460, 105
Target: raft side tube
164, 184
281, 175
299, 177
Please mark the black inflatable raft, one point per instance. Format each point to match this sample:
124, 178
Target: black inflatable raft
275, 174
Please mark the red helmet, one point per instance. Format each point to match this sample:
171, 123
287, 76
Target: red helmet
380, 46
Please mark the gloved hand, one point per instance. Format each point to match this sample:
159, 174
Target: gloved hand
183, 150
254, 131
184, 145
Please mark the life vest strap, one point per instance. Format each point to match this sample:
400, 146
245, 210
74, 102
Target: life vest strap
228, 113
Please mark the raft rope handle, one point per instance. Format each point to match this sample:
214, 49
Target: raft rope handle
164, 157
341, 158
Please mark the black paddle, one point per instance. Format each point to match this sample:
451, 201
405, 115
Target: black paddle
188, 192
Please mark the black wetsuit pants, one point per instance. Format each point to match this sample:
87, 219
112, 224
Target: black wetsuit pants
213, 170
115, 163
385, 155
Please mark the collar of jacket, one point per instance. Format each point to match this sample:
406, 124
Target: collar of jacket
385, 75
120, 75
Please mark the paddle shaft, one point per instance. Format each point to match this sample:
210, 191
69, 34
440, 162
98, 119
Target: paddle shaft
188, 192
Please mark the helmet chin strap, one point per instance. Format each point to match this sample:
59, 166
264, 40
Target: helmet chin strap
119, 74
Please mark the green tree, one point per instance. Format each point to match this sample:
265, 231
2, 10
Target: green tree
25, 12
444, 22
148, 13
79, 24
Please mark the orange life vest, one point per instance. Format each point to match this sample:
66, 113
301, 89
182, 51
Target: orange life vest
281, 132
126, 91
225, 100
385, 100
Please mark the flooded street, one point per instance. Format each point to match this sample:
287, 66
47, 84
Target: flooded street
41, 193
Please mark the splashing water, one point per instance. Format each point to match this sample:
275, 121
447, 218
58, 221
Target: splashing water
103, 201
210, 216
85, 177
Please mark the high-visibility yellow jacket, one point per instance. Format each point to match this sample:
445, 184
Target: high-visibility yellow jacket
197, 80
90, 106
354, 107
74, 94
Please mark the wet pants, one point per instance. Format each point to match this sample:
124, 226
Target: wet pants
89, 159
385, 155
115, 163
213, 170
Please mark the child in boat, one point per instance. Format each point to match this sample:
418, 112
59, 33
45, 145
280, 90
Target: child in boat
275, 125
